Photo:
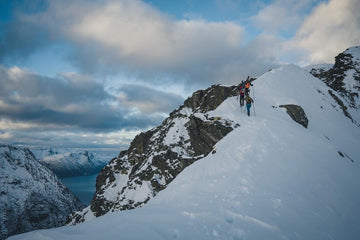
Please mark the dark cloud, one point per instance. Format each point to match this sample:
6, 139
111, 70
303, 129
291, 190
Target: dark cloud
148, 100
66, 139
133, 38
20, 36
70, 101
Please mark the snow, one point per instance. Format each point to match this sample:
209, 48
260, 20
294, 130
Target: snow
270, 178
355, 52
186, 111
120, 182
177, 132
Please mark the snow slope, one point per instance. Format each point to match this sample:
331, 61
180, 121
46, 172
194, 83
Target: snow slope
270, 178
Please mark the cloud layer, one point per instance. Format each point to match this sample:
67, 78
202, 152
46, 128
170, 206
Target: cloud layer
132, 36
331, 28
73, 101
147, 54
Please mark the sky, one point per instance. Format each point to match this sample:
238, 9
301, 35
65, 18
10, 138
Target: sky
93, 74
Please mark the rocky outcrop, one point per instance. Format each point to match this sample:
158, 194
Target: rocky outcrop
335, 76
31, 196
157, 156
209, 99
297, 114
344, 79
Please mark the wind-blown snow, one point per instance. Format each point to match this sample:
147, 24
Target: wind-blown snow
270, 178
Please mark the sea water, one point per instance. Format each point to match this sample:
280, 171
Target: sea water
82, 186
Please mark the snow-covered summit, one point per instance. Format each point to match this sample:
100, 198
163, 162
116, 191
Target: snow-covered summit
267, 178
31, 196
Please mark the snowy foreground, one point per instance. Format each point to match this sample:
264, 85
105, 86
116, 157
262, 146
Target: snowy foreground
270, 178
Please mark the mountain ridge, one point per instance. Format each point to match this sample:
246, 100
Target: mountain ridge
136, 187
268, 178
32, 197
155, 157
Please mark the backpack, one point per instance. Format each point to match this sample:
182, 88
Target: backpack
249, 100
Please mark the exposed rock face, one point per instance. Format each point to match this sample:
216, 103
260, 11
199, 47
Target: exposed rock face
344, 79
341, 104
297, 114
31, 196
157, 156
209, 99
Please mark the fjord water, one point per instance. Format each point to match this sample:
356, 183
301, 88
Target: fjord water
82, 186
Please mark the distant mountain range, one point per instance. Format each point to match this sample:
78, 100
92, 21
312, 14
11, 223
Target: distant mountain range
68, 163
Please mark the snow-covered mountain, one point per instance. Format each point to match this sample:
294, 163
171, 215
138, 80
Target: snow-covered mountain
156, 157
290, 171
344, 80
31, 196
67, 163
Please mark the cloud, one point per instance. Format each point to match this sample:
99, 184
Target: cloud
132, 37
117, 140
148, 100
282, 16
331, 28
71, 101
139, 38
75, 110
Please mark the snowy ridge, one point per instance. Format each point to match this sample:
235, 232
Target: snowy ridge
31, 196
269, 178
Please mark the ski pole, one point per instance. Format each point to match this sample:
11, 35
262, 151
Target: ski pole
254, 110
254, 100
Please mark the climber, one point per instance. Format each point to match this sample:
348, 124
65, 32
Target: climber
247, 86
241, 93
248, 100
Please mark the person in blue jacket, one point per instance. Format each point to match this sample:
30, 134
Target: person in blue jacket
248, 100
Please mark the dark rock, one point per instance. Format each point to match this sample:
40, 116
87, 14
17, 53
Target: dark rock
341, 104
204, 136
335, 79
297, 114
205, 100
